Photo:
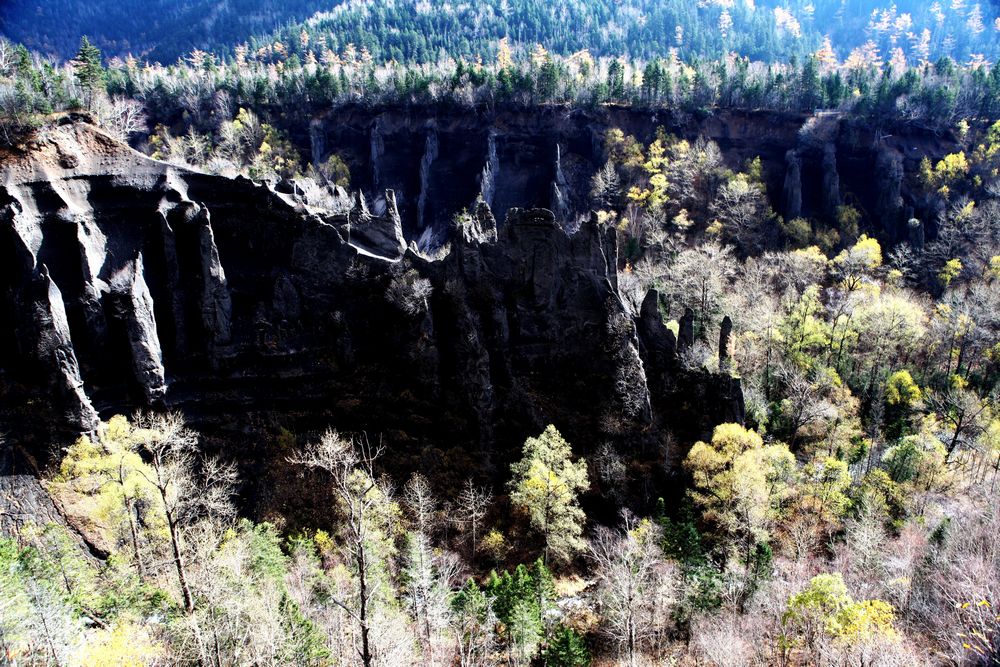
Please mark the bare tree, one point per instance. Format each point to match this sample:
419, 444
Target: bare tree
699, 279
351, 468
605, 186
962, 411
120, 116
410, 292
239, 618
422, 505
804, 404
472, 504
741, 207
420, 501
955, 592
6, 57
187, 494
634, 584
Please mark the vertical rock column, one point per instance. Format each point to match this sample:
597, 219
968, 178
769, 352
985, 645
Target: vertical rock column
831, 181
134, 306
42, 329
725, 363
430, 154
793, 185
487, 179
685, 333
216, 306
889, 167
560, 189
54, 349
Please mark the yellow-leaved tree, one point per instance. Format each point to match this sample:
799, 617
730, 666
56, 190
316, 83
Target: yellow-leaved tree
546, 484
122, 645
824, 609
740, 484
109, 480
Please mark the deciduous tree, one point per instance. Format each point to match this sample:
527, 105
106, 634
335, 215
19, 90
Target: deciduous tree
546, 485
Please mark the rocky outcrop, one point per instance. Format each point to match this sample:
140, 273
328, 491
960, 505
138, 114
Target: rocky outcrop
830, 191
26, 505
793, 185
240, 305
657, 342
702, 398
483, 227
132, 304
889, 203
380, 235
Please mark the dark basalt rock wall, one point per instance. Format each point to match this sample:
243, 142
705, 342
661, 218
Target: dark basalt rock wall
127, 283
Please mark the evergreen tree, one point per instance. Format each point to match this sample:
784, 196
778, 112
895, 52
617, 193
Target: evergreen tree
566, 648
616, 81
89, 70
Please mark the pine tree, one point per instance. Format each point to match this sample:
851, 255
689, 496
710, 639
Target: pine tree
567, 648
616, 80
88, 68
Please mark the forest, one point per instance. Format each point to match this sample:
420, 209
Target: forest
851, 519
426, 31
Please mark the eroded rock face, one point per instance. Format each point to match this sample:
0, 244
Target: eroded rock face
132, 304
37, 325
437, 161
889, 204
793, 185
250, 312
26, 505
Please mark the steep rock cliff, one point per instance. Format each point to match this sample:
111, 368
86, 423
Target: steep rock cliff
438, 160
128, 283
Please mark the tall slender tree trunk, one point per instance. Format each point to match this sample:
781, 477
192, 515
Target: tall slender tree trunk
366, 652
133, 529
954, 439
175, 544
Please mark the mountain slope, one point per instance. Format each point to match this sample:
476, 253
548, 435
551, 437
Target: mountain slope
160, 29
425, 30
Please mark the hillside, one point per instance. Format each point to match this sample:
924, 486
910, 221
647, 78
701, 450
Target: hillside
158, 29
428, 30
764, 30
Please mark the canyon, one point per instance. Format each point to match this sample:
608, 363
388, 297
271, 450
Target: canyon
127, 283
437, 161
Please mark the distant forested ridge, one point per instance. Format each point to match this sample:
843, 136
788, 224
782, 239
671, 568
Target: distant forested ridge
159, 29
429, 30
767, 30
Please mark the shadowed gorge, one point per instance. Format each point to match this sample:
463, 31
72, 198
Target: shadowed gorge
134, 284
546, 157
